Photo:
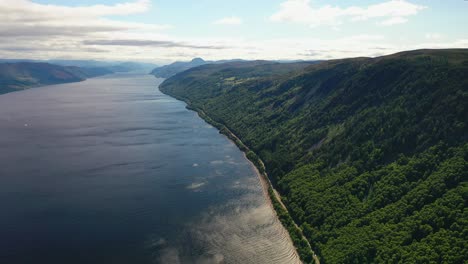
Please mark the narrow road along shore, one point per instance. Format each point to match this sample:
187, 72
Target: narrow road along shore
259, 168
261, 172
266, 184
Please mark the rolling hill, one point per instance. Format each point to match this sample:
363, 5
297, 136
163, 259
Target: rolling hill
23, 75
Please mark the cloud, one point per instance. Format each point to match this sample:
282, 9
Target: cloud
31, 30
152, 43
356, 46
301, 11
56, 31
94, 32
24, 18
394, 21
16, 9
228, 21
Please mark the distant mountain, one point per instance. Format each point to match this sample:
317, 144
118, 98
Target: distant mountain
17, 74
113, 66
180, 66
132, 66
176, 67
82, 63
369, 154
91, 72
23, 75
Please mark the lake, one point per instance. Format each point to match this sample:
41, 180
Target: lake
110, 170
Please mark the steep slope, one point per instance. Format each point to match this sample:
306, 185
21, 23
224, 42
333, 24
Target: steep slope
370, 155
22, 75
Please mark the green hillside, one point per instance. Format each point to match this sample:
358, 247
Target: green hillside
23, 75
370, 154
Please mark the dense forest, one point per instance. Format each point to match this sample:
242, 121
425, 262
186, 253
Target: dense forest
369, 154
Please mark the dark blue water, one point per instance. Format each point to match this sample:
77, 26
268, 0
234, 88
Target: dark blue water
112, 171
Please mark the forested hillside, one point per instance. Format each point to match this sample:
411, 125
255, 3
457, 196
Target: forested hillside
22, 75
370, 154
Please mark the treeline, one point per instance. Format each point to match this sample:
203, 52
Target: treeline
370, 155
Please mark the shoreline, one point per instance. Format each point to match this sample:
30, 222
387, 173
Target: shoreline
266, 195
270, 193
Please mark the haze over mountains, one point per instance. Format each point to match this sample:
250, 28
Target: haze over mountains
167, 71
22, 74
172, 69
18, 74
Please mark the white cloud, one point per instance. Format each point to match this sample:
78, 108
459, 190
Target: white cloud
394, 21
15, 9
303, 12
44, 31
37, 31
22, 18
228, 21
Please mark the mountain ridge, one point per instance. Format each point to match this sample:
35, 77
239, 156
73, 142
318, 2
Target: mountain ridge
24, 75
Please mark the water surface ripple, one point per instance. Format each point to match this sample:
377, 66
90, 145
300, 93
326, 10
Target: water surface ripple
110, 170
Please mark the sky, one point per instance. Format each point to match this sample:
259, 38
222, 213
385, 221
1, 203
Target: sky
168, 30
